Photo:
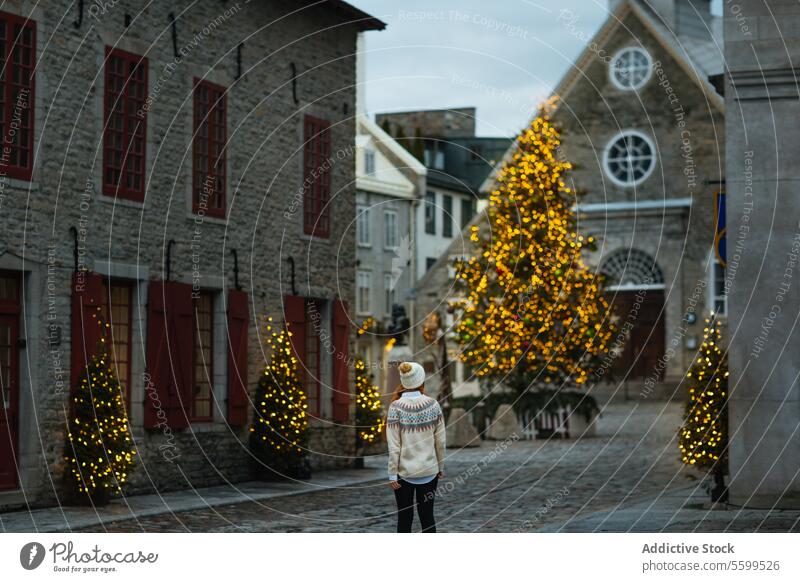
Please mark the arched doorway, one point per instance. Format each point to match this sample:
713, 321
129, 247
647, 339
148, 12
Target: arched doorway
635, 287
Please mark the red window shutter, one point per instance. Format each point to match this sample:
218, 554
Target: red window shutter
238, 319
87, 299
181, 310
170, 354
341, 362
156, 397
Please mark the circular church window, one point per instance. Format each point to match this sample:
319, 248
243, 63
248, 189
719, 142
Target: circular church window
631, 68
630, 158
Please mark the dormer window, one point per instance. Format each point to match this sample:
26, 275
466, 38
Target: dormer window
434, 154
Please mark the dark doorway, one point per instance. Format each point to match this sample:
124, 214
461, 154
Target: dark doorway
641, 312
9, 378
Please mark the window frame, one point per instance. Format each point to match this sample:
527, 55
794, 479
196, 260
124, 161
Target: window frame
317, 144
393, 241
362, 215
433, 154
715, 279
121, 190
218, 98
466, 217
429, 212
24, 173
369, 162
208, 366
389, 294
612, 68
312, 379
365, 274
108, 285
447, 215
607, 160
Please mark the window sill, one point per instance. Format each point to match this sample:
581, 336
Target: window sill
21, 184
206, 219
363, 245
203, 426
315, 239
125, 202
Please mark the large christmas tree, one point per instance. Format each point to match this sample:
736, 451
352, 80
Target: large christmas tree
703, 438
100, 451
532, 311
278, 436
369, 416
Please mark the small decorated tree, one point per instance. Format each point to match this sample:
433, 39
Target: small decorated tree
369, 415
279, 434
100, 453
703, 438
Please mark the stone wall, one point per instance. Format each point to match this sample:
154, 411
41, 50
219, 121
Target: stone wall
129, 239
437, 123
688, 132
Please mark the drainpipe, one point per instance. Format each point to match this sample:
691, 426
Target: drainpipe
412, 310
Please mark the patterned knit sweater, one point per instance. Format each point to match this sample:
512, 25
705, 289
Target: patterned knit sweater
416, 435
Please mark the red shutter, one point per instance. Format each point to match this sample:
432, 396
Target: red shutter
238, 397
184, 326
87, 298
170, 354
294, 308
341, 362
156, 397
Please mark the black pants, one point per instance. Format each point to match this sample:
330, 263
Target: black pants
405, 505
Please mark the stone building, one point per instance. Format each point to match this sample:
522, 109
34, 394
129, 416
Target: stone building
180, 172
644, 128
390, 182
762, 128
457, 162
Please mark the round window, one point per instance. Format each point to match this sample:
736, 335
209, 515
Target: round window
631, 68
630, 158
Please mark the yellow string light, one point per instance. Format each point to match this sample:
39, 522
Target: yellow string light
530, 304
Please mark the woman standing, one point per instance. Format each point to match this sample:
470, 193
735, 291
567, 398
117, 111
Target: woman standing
415, 431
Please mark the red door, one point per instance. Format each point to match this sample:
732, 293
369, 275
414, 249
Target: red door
642, 314
9, 379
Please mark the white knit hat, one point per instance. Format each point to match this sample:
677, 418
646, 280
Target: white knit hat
412, 375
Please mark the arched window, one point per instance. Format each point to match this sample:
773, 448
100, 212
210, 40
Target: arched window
632, 269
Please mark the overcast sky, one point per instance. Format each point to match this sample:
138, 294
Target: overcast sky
501, 56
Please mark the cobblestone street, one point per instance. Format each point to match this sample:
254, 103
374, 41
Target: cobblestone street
628, 478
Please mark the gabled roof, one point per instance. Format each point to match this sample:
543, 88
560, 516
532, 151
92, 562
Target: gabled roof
376, 131
699, 58
410, 168
360, 18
